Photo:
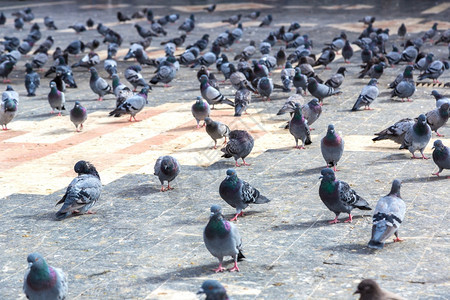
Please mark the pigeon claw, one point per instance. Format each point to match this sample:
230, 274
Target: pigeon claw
439, 135
235, 268
219, 269
436, 174
349, 220
397, 239
335, 221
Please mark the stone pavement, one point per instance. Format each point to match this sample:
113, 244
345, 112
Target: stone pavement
143, 244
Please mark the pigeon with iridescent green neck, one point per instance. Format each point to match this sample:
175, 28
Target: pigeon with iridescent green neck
299, 128
332, 147
78, 115
43, 281
167, 169
338, 196
99, 85
200, 110
417, 137
56, 99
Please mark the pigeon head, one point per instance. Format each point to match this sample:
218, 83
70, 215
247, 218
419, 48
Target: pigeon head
10, 104
435, 93
85, 167
216, 209
53, 85
408, 72
36, 261
93, 70
208, 121
373, 81
77, 103
9, 88
171, 59
444, 109
28, 67
327, 174
314, 102
34, 257
438, 145
203, 79
330, 129
422, 119
288, 65
368, 289
395, 189
213, 290
231, 174
342, 70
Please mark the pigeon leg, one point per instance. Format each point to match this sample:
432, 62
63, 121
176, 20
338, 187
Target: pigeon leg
367, 108
219, 269
6, 80
439, 135
244, 163
235, 218
335, 221
334, 168
310, 128
236, 164
167, 85
59, 114
437, 173
397, 239
81, 126
349, 220
163, 189
409, 100
100, 98
89, 212
4, 127
169, 187
204, 124
224, 141
235, 268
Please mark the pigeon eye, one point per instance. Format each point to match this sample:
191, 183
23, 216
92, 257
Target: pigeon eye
36, 259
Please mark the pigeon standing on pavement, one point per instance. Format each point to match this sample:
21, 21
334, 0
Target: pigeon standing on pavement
166, 72
242, 99
56, 99
338, 196
406, 87
320, 91
200, 110
133, 75
401, 32
299, 128
222, 238
368, 94
332, 147
387, 217
43, 281
216, 130
82, 193
441, 157
438, 117
370, 290
8, 110
434, 70
32, 80
337, 79
347, 52
266, 21
210, 8
417, 137
265, 87
240, 145
440, 99
239, 194
78, 115
167, 169
212, 95
132, 105
395, 132
99, 85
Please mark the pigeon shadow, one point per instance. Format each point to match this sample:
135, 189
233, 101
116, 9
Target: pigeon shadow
39, 217
352, 248
424, 179
138, 191
246, 214
316, 223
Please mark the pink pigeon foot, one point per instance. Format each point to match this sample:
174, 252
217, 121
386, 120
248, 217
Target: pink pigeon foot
397, 239
349, 220
335, 221
334, 168
244, 163
219, 269
235, 268
439, 135
100, 99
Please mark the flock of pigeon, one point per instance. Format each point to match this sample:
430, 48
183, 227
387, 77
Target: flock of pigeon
251, 74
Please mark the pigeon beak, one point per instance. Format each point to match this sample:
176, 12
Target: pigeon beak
357, 292
321, 176
200, 291
433, 147
30, 264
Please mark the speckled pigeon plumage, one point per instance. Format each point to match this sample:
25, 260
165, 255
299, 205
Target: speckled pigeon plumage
78, 115
82, 193
368, 94
222, 239
441, 157
395, 132
42, 281
239, 194
167, 169
387, 217
99, 85
406, 87
240, 145
242, 99
409, 54
200, 110
216, 130
56, 99
132, 105
417, 137
299, 128
338, 196
337, 79
166, 71
394, 56
332, 147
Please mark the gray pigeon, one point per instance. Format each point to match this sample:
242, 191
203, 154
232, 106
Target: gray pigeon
387, 217
8, 110
370, 290
311, 111
424, 62
337, 79
409, 54
417, 137
320, 91
212, 95
212, 288
78, 115
110, 65
395, 132
434, 70
32, 80
440, 99
394, 56
167, 169
82, 193
368, 94
49, 23
166, 72
56, 99
338, 196
441, 157
438, 117
239, 194
299, 128
240, 145
222, 238
406, 87
43, 281
216, 130
265, 87
10, 93
133, 75
99, 85
300, 80
121, 91
332, 147
200, 110
131, 106
242, 99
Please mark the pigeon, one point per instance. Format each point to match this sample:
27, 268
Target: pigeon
409, 55
287, 76
167, 169
82, 193
311, 111
178, 41
216, 130
39, 60
375, 71
429, 34
78, 27
300, 80
265, 47
2, 19
367, 20
222, 238
90, 23
434, 70
394, 56
112, 49
5, 69
440, 99
144, 33
89, 60
8, 110
210, 8
133, 75
110, 65
131, 106
338, 196
200, 110
265, 87
188, 24
237, 32
347, 52
43, 281
332, 147
368, 94
56, 99
366, 55
370, 290
417, 137
212, 288
240, 145
122, 17
327, 56
423, 63
32, 80
299, 128
387, 217
444, 38
78, 115
10, 93
253, 15
46, 45
166, 72
395, 132
25, 47
401, 32
99, 85
75, 47
49, 23
209, 57
281, 57
212, 95
121, 91
266, 21
337, 79
18, 23
239, 194
406, 87
242, 99
438, 117
233, 20
441, 156
320, 91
